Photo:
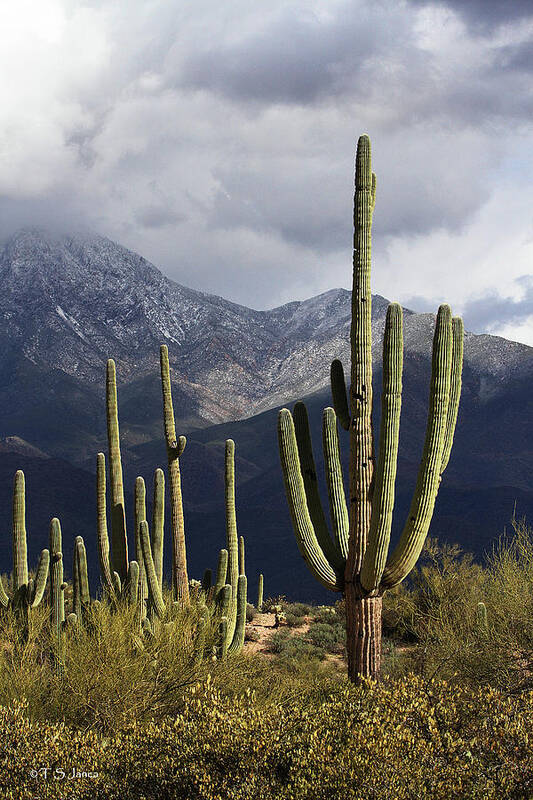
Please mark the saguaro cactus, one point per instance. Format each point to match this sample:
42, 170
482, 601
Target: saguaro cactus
355, 560
175, 447
27, 593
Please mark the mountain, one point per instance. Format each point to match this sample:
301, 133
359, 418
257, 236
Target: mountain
70, 302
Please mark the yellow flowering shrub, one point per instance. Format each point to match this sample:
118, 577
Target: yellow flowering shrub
399, 739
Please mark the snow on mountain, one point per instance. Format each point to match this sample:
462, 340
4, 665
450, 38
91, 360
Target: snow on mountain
71, 302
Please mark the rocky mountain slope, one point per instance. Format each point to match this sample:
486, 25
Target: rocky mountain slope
68, 303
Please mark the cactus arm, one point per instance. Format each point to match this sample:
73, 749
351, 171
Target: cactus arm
76, 594
117, 583
307, 541
238, 637
119, 541
222, 647
140, 516
222, 569
361, 438
406, 553
132, 583
41, 576
175, 448
231, 532
154, 590
335, 484
158, 523
224, 599
338, 394
85, 595
455, 392
199, 642
242, 569
313, 501
101, 525
4, 597
20, 549
383, 498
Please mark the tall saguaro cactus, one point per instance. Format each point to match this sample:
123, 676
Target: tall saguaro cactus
355, 560
175, 447
27, 593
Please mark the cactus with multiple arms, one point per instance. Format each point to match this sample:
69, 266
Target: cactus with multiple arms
355, 559
27, 593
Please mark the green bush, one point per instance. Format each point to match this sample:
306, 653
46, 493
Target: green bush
399, 739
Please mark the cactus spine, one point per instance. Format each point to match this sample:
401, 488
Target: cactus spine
27, 593
355, 560
175, 447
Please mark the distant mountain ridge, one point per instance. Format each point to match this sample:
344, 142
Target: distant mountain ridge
70, 302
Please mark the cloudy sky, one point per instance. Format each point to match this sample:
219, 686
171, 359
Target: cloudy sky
218, 141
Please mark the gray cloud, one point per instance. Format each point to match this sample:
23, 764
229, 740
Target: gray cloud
491, 310
218, 141
295, 57
484, 14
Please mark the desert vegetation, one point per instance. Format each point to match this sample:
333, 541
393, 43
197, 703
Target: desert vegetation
416, 682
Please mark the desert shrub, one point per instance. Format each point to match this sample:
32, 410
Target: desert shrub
297, 609
401, 739
330, 638
284, 644
252, 635
270, 602
250, 612
326, 615
111, 676
445, 594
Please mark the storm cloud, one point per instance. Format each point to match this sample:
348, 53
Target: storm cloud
218, 141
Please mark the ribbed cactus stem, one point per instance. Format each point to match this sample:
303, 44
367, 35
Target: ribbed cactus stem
222, 570
306, 537
57, 594
41, 577
20, 550
175, 447
222, 648
119, 541
242, 564
361, 434
383, 499
101, 526
334, 481
224, 600
158, 523
260, 593
155, 596
83, 577
140, 516
406, 552
199, 642
338, 394
231, 532
238, 636
132, 583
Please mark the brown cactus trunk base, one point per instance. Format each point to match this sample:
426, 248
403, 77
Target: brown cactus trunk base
363, 635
